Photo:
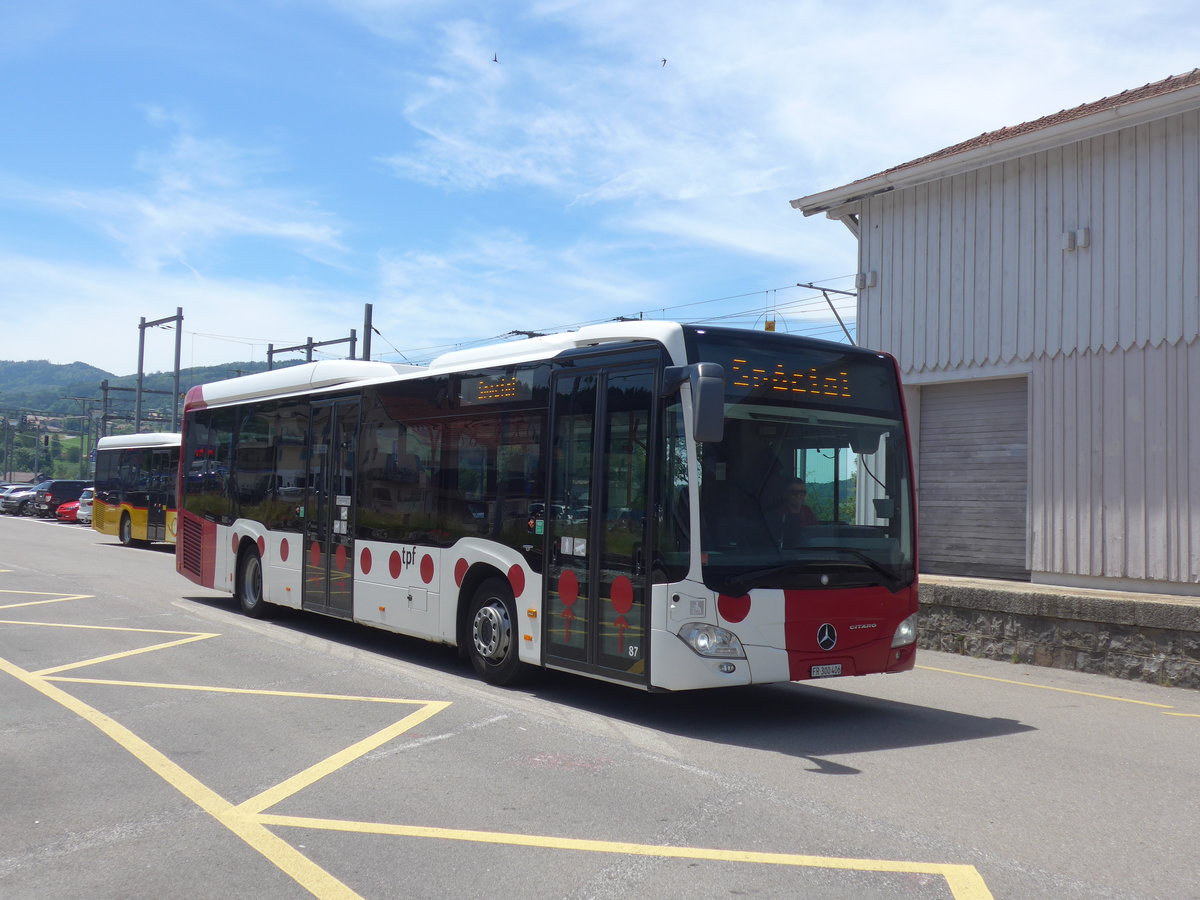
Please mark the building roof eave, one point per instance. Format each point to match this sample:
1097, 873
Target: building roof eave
1003, 148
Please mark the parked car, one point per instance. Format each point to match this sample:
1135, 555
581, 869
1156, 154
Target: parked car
52, 494
84, 513
68, 512
19, 501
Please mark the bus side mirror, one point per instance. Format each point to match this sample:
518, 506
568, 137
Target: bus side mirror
708, 402
707, 382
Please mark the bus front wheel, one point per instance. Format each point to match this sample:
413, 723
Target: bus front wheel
492, 639
250, 586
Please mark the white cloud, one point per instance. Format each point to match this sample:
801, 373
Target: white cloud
782, 96
52, 304
494, 283
200, 192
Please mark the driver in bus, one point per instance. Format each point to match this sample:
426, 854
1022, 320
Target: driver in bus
791, 515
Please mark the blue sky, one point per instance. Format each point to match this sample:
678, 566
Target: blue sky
271, 166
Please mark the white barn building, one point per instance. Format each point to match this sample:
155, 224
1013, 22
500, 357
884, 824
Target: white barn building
1040, 286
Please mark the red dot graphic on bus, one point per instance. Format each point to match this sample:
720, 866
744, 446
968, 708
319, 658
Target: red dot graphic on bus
364, 560
733, 609
394, 565
516, 577
339, 557
568, 588
622, 595
460, 572
262, 547
235, 542
284, 550
314, 554
427, 568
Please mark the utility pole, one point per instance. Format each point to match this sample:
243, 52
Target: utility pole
309, 345
85, 430
142, 326
368, 327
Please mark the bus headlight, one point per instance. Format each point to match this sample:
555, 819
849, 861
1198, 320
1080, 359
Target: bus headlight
709, 640
906, 632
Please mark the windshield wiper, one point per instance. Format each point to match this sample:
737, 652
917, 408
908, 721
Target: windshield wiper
736, 585
890, 577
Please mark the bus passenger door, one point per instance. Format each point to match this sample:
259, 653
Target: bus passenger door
597, 584
162, 481
329, 508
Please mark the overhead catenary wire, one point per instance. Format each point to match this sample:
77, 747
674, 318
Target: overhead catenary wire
801, 308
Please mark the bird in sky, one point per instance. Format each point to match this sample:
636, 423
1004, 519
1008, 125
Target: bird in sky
495, 57
664, 62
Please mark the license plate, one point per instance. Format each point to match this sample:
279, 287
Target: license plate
825, 671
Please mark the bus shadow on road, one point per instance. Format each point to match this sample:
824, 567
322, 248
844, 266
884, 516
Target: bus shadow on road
808, 721
811, 721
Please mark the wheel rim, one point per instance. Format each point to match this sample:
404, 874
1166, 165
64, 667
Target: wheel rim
252, 582
492, 631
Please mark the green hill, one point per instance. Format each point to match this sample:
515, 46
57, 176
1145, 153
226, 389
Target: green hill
47, 388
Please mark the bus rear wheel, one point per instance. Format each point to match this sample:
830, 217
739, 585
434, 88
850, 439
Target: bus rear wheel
250, 586
125, 533
492, 634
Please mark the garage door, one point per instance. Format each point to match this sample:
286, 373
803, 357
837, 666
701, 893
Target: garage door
973, 479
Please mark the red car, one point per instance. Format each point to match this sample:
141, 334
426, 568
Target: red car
68, 512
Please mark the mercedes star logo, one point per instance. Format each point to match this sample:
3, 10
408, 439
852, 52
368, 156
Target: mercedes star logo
826, 637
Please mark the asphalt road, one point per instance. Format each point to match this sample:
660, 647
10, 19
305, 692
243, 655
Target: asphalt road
155, 743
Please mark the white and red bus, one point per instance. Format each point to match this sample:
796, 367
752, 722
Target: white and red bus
606, 501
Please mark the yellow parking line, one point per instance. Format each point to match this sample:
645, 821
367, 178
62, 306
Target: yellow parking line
188, 637
964, 882
217, 689
250, 824
55, 598
1046, 687
315, 773
127, 653
299, 867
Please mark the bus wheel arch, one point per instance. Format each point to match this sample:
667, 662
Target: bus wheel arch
249, 581
489, 631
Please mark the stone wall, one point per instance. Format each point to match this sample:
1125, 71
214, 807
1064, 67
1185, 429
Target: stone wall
1142, 637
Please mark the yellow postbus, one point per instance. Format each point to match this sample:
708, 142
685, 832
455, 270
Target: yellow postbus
135, 487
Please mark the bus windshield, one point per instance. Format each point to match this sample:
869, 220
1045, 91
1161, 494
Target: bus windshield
809, 486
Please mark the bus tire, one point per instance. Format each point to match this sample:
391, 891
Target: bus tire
125, 533
250, 586
492, 638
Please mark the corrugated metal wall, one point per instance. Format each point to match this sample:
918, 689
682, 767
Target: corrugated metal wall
974, 277
971, 269
1116, 473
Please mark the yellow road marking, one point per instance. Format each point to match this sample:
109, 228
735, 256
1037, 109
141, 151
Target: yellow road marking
55, 598
189, 637
342, 758
217, 689
1046, 687
248, 821
127, 653
964, 881
1184, 715
298, 866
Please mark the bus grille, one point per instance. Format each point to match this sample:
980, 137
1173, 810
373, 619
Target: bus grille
99, 514
190, 553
